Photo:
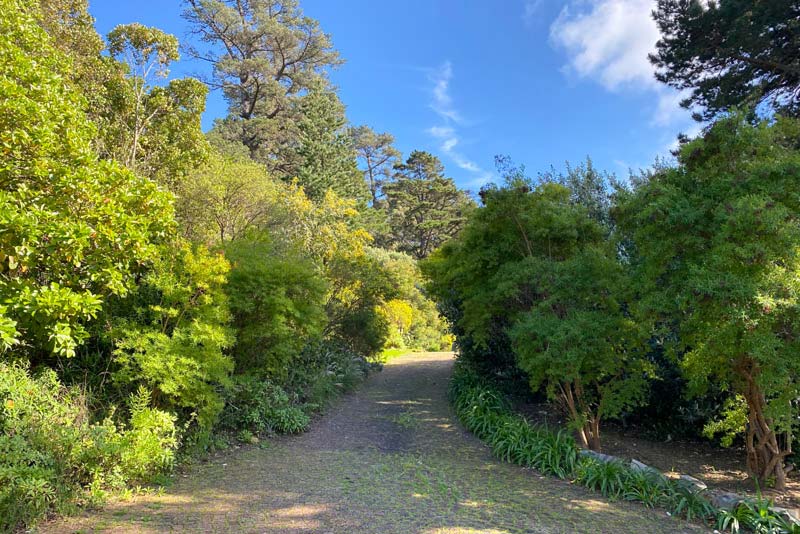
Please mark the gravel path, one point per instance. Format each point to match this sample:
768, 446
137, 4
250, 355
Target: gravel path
388, 459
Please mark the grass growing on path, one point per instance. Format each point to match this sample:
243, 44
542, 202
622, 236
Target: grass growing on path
390, 458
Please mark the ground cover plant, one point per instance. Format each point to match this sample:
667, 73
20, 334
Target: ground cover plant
484, 409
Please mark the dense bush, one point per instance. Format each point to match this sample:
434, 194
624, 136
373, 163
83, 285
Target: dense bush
260, 406
172, 333
412, 318
537, 265
714, 247
50, 450
76, 229
277, 300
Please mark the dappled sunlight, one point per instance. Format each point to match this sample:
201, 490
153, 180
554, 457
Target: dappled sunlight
389, 459
464, 530
590, 505
301, 516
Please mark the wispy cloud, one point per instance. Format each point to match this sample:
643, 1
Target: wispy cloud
608, 41
442, 102
529, 10
447, 132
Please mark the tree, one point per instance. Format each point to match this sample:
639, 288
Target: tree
225, 199
377, 156
717, 253
325, 155
588, 186
266, 54
159, 134
535, 267
425, 208
75, 229
730, 53
576, 340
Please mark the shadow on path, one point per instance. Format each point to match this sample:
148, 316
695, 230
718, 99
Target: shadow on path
389, 458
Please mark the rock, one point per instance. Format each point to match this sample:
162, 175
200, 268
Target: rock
599, 456
790, 515
651, 472
691, 483
725, 500
636, 465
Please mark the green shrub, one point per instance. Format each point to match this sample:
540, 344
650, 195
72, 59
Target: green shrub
277, 300
260, 406
324, 370
50, 452
172, 333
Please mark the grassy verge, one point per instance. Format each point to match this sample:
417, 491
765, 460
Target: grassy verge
485, 411
390, 354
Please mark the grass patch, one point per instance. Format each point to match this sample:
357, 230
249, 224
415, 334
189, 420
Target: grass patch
390, 354
406, 420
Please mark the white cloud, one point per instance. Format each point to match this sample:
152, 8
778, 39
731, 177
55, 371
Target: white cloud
441, 131
608, 41
449, 140
447, 133
442, 101
668, 107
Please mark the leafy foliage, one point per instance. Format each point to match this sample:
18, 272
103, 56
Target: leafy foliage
176, 331
715, 243
277, 303
260, 406
730, 53
51, 451
533, 263
75, 229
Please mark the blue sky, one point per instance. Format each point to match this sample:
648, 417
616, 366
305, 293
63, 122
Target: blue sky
542, 81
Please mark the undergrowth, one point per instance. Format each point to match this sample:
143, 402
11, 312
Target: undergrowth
485, 411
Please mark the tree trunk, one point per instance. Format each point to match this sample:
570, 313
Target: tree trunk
587, 423
592, 426
765, 455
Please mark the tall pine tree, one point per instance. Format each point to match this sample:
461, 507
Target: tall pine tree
425, 207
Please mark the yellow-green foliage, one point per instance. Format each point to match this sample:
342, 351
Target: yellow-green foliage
412, 318
75, 229
398, 314
176, 331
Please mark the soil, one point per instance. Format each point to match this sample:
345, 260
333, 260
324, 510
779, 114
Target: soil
389, 458
720, 468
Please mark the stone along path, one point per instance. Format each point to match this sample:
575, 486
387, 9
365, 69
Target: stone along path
390, 458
